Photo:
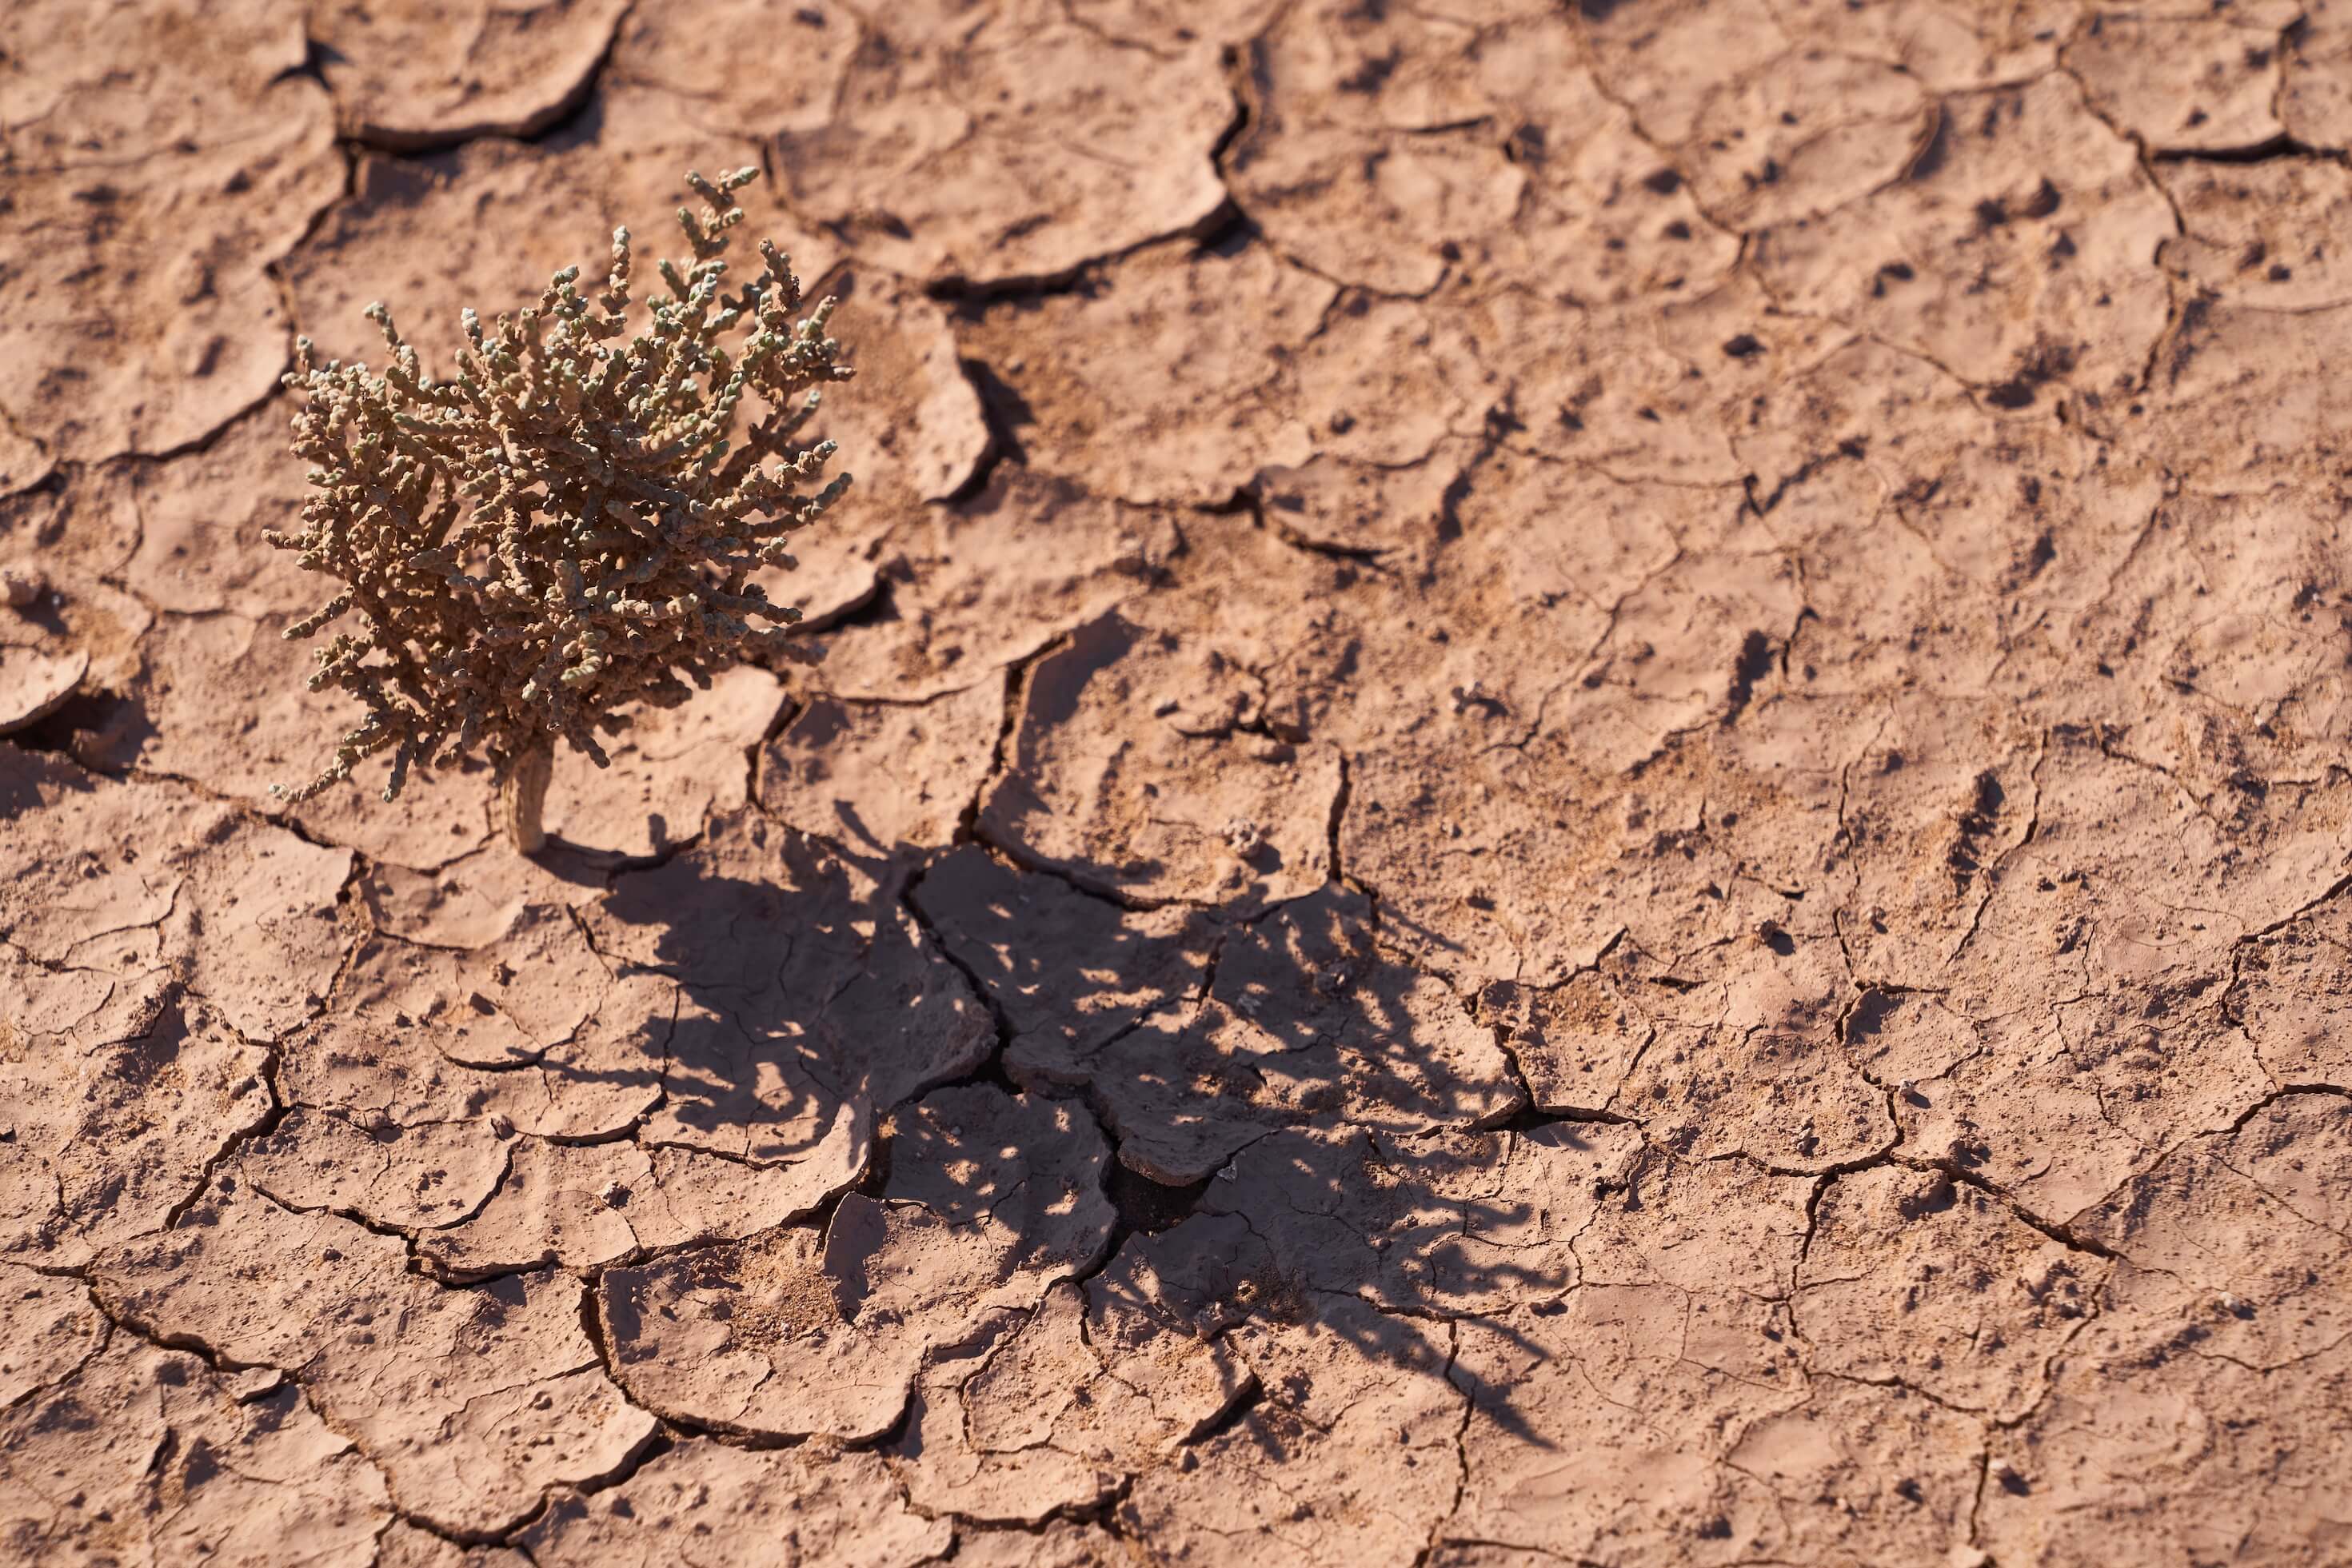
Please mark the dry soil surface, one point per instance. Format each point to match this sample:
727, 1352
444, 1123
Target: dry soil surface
1580, 797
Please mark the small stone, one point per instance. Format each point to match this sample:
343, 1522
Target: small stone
20, 586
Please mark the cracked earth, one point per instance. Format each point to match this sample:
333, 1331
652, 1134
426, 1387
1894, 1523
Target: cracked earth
1579, 796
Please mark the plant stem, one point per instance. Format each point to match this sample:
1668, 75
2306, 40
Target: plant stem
522, 793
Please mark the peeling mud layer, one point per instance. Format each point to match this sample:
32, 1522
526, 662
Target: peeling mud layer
1580, 796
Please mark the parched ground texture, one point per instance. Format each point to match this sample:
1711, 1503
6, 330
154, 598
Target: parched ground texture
1580, 796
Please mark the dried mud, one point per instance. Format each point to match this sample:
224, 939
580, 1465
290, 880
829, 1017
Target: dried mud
1580, 796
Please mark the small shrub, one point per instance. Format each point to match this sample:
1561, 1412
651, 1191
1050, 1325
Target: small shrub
571, 524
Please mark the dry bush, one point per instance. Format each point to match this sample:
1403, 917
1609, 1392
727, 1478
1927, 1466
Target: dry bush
569, 526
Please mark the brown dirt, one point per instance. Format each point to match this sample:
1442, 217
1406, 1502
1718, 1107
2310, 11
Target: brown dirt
1580, 797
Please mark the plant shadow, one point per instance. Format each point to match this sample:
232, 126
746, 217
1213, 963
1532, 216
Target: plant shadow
1303, 1129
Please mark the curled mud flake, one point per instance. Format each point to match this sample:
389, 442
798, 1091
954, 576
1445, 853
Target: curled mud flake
21, 587
878, 777
934, 158
158, 165
1149, 828
425, 73
22, 462
1913, 1278
67, 630
33, 685
806, 1505
916, 412
2182, 84
473, 1403
152, 1448
991, 1199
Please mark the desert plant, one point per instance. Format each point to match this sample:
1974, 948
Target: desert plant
569, 526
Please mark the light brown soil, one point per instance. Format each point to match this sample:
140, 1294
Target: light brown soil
1580, 797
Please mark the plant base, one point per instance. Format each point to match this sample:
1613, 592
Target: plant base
521, 796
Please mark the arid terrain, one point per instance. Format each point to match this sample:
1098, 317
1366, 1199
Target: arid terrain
1579, 795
